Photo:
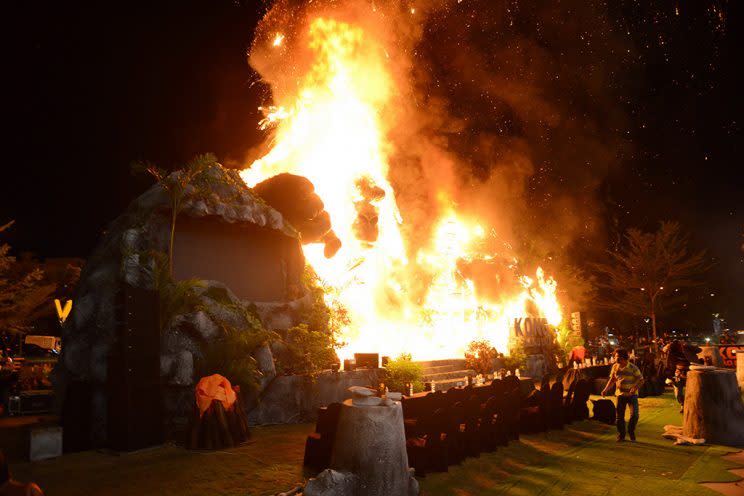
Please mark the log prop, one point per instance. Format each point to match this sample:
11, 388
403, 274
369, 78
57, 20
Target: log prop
369, 454
713, 407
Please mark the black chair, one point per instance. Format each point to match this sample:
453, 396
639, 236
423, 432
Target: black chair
556, 410
318, 445
511, 383
428, 452
568, 404
491, 429
472, 423
545, 405
580, 409
413, 410
455, 433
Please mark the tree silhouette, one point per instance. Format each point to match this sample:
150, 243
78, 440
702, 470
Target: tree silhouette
649, 269
18, 290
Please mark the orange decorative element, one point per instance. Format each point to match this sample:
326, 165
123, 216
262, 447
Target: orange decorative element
214, 387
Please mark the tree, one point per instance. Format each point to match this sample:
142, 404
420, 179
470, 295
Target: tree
174, 185
648, 270
481, 356
18, 291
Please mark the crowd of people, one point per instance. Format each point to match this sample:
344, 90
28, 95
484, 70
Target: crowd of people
664, 360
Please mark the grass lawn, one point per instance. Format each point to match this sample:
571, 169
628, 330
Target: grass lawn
583, 459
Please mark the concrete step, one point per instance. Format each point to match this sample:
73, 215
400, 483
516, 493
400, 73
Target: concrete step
459, 362
446, 376
442, 368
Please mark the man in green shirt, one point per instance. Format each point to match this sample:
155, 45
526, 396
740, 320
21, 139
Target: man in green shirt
627, 378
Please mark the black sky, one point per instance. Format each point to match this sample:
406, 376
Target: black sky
93, 86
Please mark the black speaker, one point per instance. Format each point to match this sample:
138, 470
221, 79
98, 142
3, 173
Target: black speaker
367, 360
135, 418
76, 418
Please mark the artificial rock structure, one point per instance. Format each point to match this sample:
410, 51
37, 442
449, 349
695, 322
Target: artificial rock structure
248, 259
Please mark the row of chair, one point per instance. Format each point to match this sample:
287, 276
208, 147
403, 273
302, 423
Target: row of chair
549, 408
442, 429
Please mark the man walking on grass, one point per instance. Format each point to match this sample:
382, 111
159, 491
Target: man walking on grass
627, 379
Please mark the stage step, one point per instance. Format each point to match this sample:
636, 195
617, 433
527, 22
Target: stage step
449, 375
454, 362
446, 373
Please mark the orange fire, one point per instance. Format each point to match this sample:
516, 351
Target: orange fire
331, 129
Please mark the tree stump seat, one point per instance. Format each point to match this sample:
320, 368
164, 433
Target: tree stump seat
713, 409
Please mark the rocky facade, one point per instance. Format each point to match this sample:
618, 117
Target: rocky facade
124, 257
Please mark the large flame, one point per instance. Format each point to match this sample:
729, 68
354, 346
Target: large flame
331, 130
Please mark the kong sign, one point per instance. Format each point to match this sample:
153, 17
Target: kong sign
536, 332
728, 353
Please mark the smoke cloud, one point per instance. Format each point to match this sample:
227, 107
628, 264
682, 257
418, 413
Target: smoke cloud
507, 111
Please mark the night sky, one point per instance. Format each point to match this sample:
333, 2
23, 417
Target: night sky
95, 86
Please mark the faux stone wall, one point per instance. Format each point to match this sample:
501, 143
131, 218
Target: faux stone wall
124, 256
296, 399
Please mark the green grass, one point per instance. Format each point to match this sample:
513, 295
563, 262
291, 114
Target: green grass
583, 459
269, 463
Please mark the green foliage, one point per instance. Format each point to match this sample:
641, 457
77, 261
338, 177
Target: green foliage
517, 358
174, 185
402, 371
311, 345
178, 298
326, 312
480, 356
567, 339
230, 356
20, 290
309, 351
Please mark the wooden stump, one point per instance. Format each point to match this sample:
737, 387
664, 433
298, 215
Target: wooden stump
713, 407
740, 369
369, 455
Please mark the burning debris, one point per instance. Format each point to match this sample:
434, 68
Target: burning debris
295, 197
365, 225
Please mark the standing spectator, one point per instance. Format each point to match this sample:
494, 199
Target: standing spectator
678, 381
627, 378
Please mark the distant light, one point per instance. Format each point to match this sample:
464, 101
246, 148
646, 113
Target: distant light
712, 294
707, 340
413, 11
278, 39
643, 289
661, 287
